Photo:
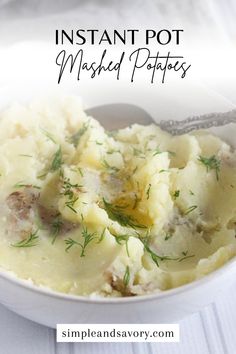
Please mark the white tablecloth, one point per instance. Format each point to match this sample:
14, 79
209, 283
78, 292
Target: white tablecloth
210, 331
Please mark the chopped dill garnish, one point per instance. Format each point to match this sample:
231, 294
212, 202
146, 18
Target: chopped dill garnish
155, 257
109, 167
161, 171
75, 138
25, 155
136, 200
126, 277
148, 190
157, 151
138, 153
191, 192
87, 238
98, 143
70, 204
23, 185
168, 235
135, 169
121, 240
80, 171
68, 188
30, 241
48, 135
113, 151
190, 209
55, 229
44, 174
102, 235
185, 256
115, 213
70, 243
57, 160
171, 153
176, 194
211, 163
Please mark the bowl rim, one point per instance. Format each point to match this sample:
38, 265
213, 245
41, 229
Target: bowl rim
45, 291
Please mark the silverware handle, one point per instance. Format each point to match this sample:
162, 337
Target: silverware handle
198, 122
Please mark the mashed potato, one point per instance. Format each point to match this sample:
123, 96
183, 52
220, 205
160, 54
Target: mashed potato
85, 211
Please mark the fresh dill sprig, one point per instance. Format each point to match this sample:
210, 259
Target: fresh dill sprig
102, 235
148, 190
70, 243
107, 166
211, 163
48, 135
75, 138
176, 194
168, 235
42, 175
57, 160
121, 240
55, 229
87, 238
25, 155
185, 256
70, 204
115, 213
155, 257
68, 188
113, 151
161, 171
138, 153
126, 277
190, 209
157, 151
30, 241
23, 185
136, 201
80, 171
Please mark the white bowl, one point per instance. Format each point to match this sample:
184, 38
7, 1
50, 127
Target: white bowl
49, 308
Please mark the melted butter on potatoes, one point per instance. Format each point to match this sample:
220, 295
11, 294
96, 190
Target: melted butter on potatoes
85, 211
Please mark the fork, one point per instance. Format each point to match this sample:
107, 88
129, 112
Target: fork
178, 127
119, 115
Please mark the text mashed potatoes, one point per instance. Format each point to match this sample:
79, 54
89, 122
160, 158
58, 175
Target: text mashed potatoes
86, 211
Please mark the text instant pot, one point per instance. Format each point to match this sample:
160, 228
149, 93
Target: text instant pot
133, 53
